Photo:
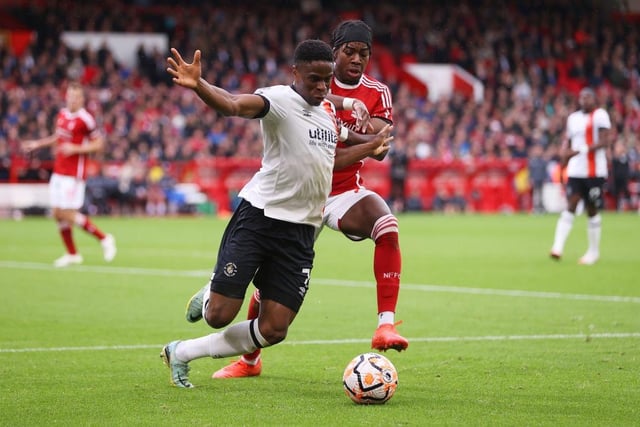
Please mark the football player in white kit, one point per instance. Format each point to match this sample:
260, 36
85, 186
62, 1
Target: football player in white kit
270, 237
585, 148
352, 209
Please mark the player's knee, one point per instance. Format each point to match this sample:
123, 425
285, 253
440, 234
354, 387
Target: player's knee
217, 318
215, 321
273, 334
58, 214
386, 224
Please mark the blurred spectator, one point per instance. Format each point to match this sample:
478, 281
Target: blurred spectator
35, 171
156, 197
5, 162
620, 174
101, 192
538, 176
449, 201
132, 185
162, 199
399, 162
414, 202
532, 62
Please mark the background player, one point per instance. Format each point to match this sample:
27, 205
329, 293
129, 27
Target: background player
585, 147
75, 138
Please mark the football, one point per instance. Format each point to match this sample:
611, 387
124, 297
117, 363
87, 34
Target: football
370, 378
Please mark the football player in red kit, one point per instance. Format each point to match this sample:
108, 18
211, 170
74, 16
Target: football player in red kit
76, 137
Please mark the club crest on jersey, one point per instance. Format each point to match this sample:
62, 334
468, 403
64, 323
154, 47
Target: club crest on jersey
230, 269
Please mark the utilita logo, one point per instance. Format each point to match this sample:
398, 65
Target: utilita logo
323, 135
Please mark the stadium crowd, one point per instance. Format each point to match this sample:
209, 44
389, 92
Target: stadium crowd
532, 58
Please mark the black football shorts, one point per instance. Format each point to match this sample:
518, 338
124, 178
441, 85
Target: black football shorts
278, 256
591, 190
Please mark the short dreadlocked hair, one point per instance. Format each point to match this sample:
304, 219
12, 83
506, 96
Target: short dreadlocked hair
312, 50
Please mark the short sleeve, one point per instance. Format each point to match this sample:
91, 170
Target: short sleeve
601, 119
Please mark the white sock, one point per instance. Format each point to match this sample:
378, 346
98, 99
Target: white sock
251, 362
232, 341
386, 317
563, 228
594, 230
205, 300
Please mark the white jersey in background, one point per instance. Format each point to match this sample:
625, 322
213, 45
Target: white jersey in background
300, 140
582, 131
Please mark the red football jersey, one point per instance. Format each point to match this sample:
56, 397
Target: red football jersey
377, 97
77, 128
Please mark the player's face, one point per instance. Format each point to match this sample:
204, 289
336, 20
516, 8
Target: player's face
587, 101
351, 60
312, 80
75, 99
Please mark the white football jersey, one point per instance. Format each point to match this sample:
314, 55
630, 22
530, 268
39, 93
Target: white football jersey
582, 131
300, 140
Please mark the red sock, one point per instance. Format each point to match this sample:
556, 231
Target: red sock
66, 232
86, 224
387, 263
252, 313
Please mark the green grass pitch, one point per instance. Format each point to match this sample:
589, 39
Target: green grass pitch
499, 334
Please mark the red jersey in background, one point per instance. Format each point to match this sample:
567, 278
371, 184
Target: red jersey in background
377, 97
75, 128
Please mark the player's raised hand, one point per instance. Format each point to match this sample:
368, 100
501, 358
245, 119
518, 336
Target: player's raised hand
384, 138
29, 146
185, 74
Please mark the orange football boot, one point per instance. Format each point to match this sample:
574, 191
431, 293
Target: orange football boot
387, 337
239, 369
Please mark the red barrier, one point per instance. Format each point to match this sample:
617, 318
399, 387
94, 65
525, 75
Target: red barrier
487, 186
221, 178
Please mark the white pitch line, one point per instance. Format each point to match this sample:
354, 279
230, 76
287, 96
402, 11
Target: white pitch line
612, 335
328, 282
136, 271
487, 291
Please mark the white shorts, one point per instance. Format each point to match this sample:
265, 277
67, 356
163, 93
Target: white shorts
336, 206
66, 192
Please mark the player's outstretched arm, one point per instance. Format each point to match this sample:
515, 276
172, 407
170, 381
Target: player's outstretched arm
189, 75
367, 146
36, 144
